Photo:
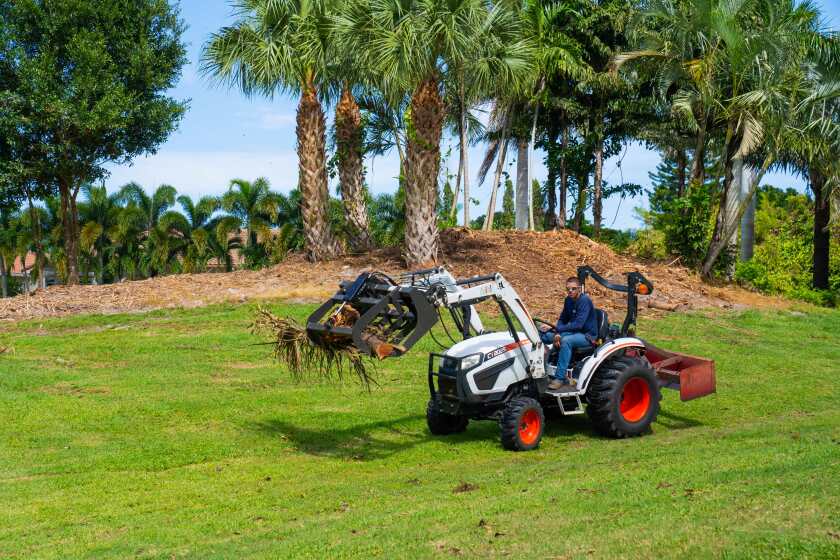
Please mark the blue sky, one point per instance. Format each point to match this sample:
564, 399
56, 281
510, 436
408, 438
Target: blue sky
225, 135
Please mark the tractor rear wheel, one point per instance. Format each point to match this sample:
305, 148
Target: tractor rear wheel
623, 397
522, 424
441, 423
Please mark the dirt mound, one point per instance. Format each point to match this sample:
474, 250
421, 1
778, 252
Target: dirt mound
535, 263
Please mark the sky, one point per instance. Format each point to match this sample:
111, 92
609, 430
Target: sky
225, 135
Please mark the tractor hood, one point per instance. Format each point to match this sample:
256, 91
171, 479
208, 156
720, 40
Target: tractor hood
484, 344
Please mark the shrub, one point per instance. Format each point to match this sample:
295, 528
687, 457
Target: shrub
649, 244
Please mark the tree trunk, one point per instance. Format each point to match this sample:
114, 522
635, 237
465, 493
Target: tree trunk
748, 220
523, 189
596, 184
681, 165
564, 180
551, 188
348, 126
731, 191
698, 166
312, 178
465, 165
453, 212
35, 218
580, 207
69, 222
101, 260
497, 180
822, 236
422, 168
4, 279
532, 146
716, 247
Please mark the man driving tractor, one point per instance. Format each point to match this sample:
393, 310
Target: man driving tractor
577, 327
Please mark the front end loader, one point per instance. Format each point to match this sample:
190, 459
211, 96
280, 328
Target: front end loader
503, 375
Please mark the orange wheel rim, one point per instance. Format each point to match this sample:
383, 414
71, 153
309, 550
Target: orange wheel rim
529, 426
635, 399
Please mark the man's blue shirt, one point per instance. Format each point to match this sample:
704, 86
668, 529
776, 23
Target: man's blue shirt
578, 316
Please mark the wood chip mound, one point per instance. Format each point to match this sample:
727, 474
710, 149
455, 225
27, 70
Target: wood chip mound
536, 264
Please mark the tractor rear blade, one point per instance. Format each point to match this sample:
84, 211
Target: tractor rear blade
694, 377
373, 315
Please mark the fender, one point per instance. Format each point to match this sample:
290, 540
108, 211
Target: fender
602, 354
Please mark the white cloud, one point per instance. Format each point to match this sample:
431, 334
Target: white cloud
202, 173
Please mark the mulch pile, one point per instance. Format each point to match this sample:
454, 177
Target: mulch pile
535, 263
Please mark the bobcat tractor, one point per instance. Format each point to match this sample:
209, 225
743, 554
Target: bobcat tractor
503, 375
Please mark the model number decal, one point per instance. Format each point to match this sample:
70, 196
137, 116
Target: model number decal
506, 348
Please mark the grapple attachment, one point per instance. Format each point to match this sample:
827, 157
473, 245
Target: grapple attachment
694, 377
374, 315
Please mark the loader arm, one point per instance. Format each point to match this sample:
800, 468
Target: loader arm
382, 318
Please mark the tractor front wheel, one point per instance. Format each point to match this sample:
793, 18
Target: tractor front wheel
441, 423
522, 424
623, 397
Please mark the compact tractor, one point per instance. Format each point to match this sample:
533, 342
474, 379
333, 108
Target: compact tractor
503, 375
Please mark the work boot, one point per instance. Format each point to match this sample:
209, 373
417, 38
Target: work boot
556, 383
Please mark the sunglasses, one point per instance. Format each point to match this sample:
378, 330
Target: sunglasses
572, 289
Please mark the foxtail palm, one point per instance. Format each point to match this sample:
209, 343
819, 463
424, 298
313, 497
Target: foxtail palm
283, 47
254, 204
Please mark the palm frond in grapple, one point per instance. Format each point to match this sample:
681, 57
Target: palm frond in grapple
328, 360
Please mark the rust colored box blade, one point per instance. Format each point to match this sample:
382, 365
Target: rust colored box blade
695, 376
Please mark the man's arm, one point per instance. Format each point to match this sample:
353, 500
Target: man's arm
565, 315
584, 309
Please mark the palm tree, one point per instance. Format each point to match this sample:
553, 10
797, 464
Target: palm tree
193, 226
99, 215
734, 66
255, 207
410, 47
284, 46
160, 245
349, 137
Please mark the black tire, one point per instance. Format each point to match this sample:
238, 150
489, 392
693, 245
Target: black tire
522, 424
623, 397
441, 423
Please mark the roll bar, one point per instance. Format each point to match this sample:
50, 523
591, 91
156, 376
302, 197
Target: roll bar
636, 284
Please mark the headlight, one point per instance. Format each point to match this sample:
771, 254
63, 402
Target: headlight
470, 361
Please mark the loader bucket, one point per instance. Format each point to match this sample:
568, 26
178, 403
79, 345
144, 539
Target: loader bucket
374, 315
694, 377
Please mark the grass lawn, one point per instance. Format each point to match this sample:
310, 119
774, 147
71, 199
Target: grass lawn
170, 434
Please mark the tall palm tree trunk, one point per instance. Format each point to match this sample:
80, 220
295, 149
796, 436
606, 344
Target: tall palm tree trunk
564, 181
497, 180
311, 139
596, 188
35, 218
523, 190
4, 280
348, 124
465, 166
727, 205
748, 220
822, 237
681, 165
580, 205
70, 224
423, 165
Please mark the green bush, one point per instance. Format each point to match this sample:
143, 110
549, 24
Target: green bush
649, 244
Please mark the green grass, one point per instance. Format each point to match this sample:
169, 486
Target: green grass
170, 434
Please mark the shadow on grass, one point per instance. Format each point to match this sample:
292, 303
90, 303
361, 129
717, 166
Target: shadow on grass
360, 442
675, 421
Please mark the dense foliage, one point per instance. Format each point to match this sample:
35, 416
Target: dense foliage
724, 91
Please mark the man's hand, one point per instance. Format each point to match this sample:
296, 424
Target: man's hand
557, 340
544, 328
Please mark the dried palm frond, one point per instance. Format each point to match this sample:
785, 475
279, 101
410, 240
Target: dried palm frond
331, 359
